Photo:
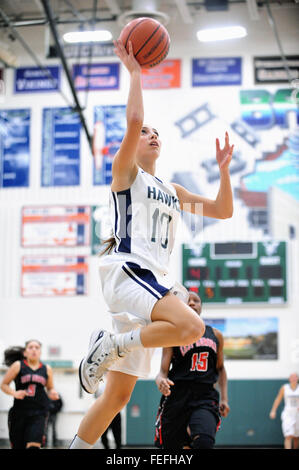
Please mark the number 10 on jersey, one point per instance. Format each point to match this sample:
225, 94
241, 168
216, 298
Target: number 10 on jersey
162, 222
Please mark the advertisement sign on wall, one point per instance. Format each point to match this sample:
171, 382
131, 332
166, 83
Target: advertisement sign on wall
37, 80
167, 74
55, 226
50, 276
96, 76
217, 71
248, 338
273, 69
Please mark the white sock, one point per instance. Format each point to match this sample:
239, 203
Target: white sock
126, 342
78, 443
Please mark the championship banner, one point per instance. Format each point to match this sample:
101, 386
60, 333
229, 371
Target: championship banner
96, 76
164, 75
14, 148
50, 276
60, 147
37, 80
109, 128
55, 226
217, 71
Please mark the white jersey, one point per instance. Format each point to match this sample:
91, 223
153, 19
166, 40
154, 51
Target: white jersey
290, 412
144, 221
291, 398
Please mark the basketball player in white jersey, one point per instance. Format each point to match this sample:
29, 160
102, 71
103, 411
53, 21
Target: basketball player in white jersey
290, 414
136, 284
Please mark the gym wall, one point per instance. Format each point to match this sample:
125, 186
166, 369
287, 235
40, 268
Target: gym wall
189, 118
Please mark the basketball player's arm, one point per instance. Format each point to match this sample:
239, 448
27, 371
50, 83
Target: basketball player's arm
222, 206
162, 381
277, 403
222, 376
8, 378
52, 394
124, 167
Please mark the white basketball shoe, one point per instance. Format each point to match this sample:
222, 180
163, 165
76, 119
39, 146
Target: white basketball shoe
101, 354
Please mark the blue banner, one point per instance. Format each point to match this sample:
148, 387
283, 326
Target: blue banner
217, 71
109, 129
96, 76
14, 148
60, 147
36, 80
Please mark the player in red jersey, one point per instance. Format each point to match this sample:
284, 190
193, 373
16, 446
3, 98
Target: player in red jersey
190, 400
27, 419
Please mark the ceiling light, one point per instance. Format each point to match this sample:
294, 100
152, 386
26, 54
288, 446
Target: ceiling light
87, 36
221, 34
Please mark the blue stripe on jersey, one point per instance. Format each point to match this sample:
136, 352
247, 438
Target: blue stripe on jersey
158, 179
145, 278
116, 220
142, 171
123, 217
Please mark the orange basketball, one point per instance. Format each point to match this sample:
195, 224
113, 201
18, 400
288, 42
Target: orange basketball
150, 41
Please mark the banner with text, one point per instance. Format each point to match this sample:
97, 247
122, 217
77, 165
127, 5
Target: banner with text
165, 75
217, 71
14, 148
96, 76
109, 128
55, 226
37, 80
50, 276
60, 147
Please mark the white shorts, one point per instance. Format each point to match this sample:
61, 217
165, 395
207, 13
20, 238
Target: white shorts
131, 287
131, 291
138, 361
290, 423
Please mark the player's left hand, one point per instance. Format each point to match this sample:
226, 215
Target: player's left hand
164, 386
224, 156
224, 409
53, 395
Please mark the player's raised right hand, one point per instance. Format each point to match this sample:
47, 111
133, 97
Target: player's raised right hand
127, 58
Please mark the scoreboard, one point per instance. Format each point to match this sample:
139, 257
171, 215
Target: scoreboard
236, 272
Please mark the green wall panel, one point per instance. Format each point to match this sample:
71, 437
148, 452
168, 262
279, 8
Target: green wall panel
248, 423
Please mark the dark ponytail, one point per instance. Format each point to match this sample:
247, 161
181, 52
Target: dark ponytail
16, 353
110, 242
13, 354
